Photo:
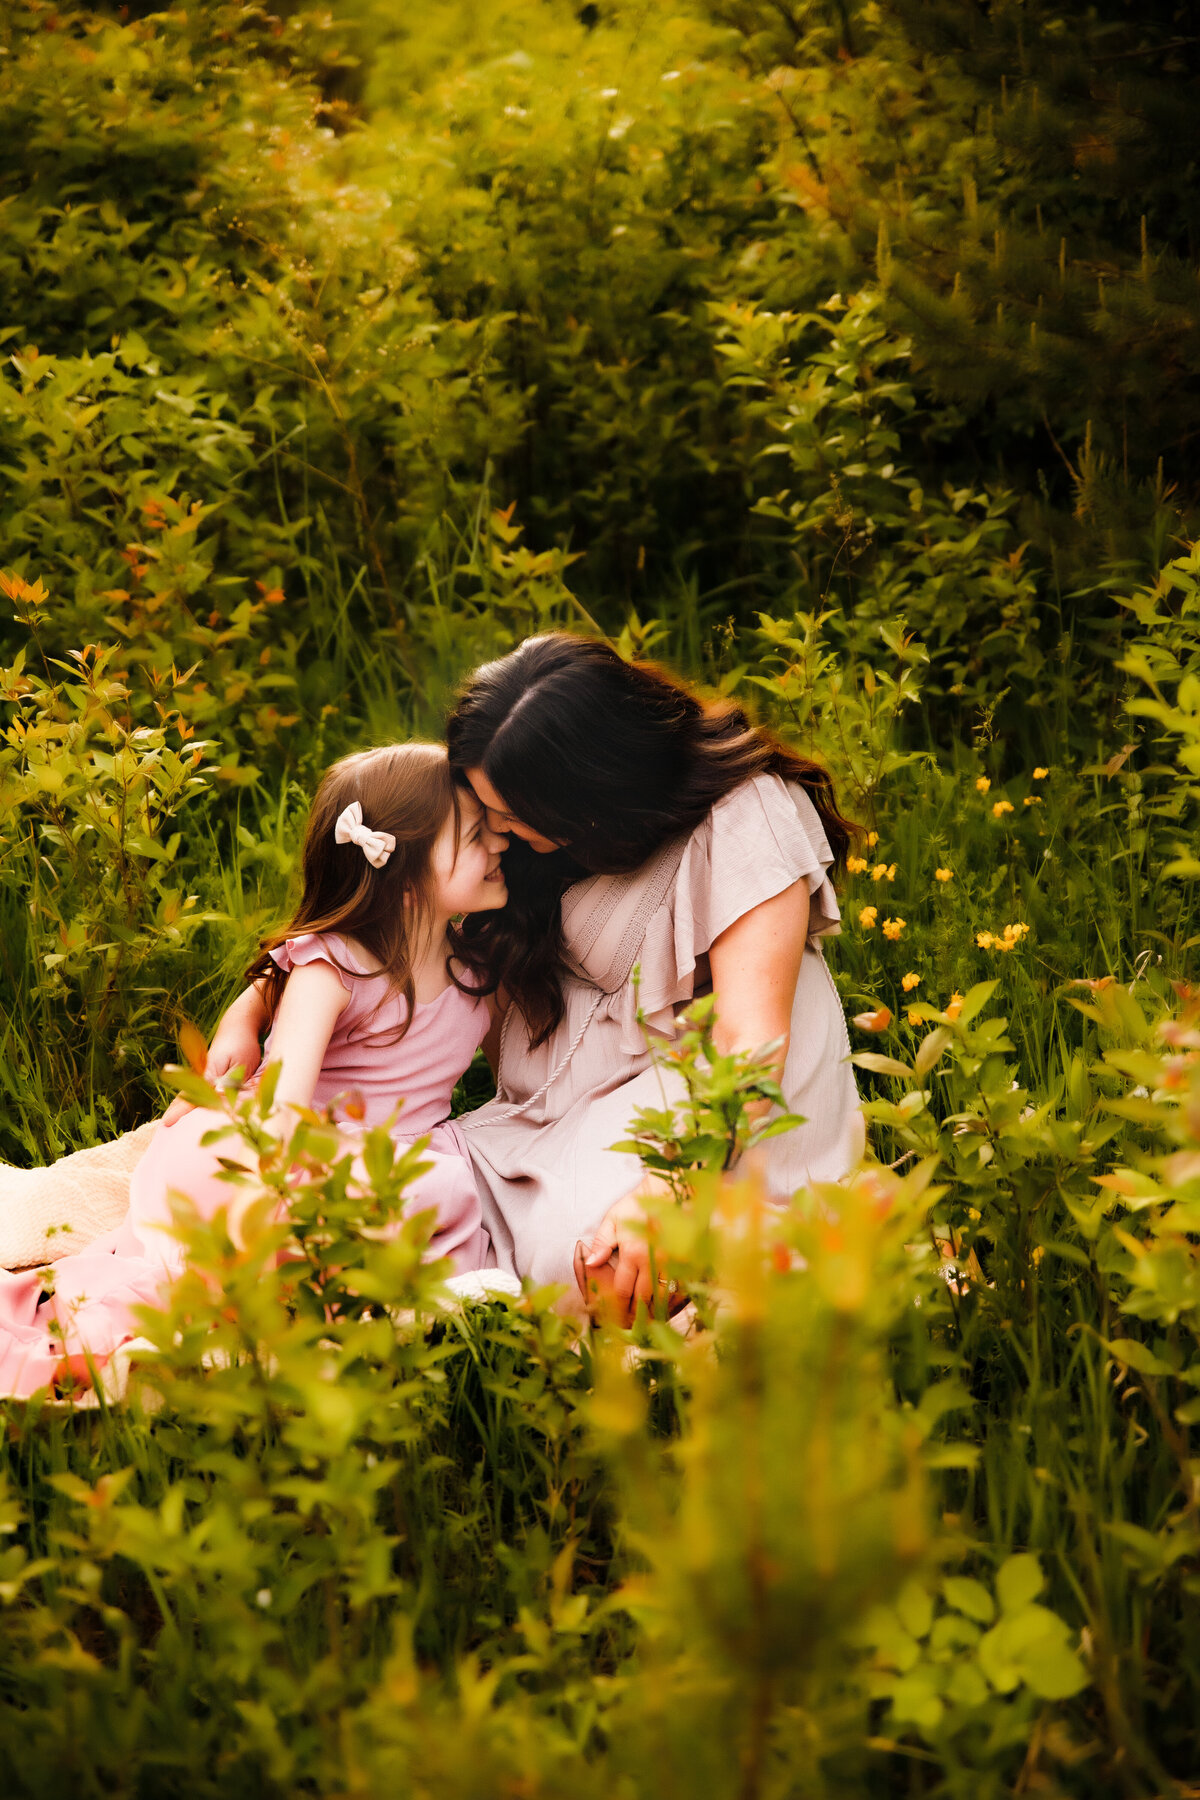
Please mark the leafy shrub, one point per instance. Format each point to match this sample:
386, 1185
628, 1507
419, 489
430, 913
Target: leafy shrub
90, 881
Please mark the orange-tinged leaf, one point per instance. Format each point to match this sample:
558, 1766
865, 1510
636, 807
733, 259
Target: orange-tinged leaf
193, 1046
874, 1021
1120, 1183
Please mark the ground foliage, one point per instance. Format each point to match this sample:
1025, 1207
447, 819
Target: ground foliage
845, 356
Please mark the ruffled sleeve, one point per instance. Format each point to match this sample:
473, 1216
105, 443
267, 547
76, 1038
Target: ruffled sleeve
755, 843
313, 946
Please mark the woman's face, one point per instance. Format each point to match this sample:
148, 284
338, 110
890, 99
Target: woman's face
501, 820
468, 878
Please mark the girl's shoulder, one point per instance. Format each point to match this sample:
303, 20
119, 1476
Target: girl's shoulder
342, 954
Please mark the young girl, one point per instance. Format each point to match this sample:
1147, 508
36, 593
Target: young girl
367, 1006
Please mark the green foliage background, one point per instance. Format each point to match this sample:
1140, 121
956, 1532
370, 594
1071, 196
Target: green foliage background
844, 354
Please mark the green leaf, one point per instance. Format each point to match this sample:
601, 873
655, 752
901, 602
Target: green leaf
975, 999
914, 1608
1137, 1356
776, 1127
966, 1686
379, 1153
1055, 1672
192, 1087
915, 1701
268, 1081
1019, 1580
1067, 1252
951, 1456
953, 1632
970, 1598
882, 1065
931, 1049
883, 1629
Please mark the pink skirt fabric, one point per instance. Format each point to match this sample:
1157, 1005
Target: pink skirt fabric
92, 1309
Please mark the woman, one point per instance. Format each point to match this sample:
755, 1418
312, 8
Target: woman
646, 829
651, 832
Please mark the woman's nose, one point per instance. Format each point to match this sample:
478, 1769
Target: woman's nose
497, 834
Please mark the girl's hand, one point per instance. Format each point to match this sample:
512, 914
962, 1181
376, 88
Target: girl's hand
234, 1043
624, 1229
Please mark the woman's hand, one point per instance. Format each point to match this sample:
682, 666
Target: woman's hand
235, 1043
627, 1229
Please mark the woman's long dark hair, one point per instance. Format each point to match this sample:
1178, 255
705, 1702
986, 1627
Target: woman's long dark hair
609, 759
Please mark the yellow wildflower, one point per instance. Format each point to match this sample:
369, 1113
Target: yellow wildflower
884, 871
1033, 800
1040, 774
867, 917
943, 874
914, 1018
1000, 807
954, 1006
855, 865
1008, 939
872, 839
982, 785
910, 981
893, 927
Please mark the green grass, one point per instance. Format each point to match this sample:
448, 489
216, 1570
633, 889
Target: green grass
468, 1491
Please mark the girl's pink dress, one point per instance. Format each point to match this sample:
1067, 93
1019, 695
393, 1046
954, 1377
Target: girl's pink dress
95, 1293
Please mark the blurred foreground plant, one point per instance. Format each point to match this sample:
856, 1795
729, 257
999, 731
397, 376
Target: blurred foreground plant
710, 1126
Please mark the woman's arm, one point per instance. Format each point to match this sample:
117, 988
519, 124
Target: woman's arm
755, 966
236, 1044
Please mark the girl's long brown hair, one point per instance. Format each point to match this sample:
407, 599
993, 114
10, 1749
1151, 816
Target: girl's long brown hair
405, 789
609, 759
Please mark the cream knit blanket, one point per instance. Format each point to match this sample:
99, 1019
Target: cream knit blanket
48, 1213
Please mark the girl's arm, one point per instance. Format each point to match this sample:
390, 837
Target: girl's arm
313, 1000
755, 966
237, 1043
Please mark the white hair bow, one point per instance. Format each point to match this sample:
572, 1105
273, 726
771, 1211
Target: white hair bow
376, 846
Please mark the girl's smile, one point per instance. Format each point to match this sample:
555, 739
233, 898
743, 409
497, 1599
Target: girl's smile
467, 873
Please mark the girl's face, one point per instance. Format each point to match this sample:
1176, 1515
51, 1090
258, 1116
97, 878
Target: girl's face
470, 880
502, 821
